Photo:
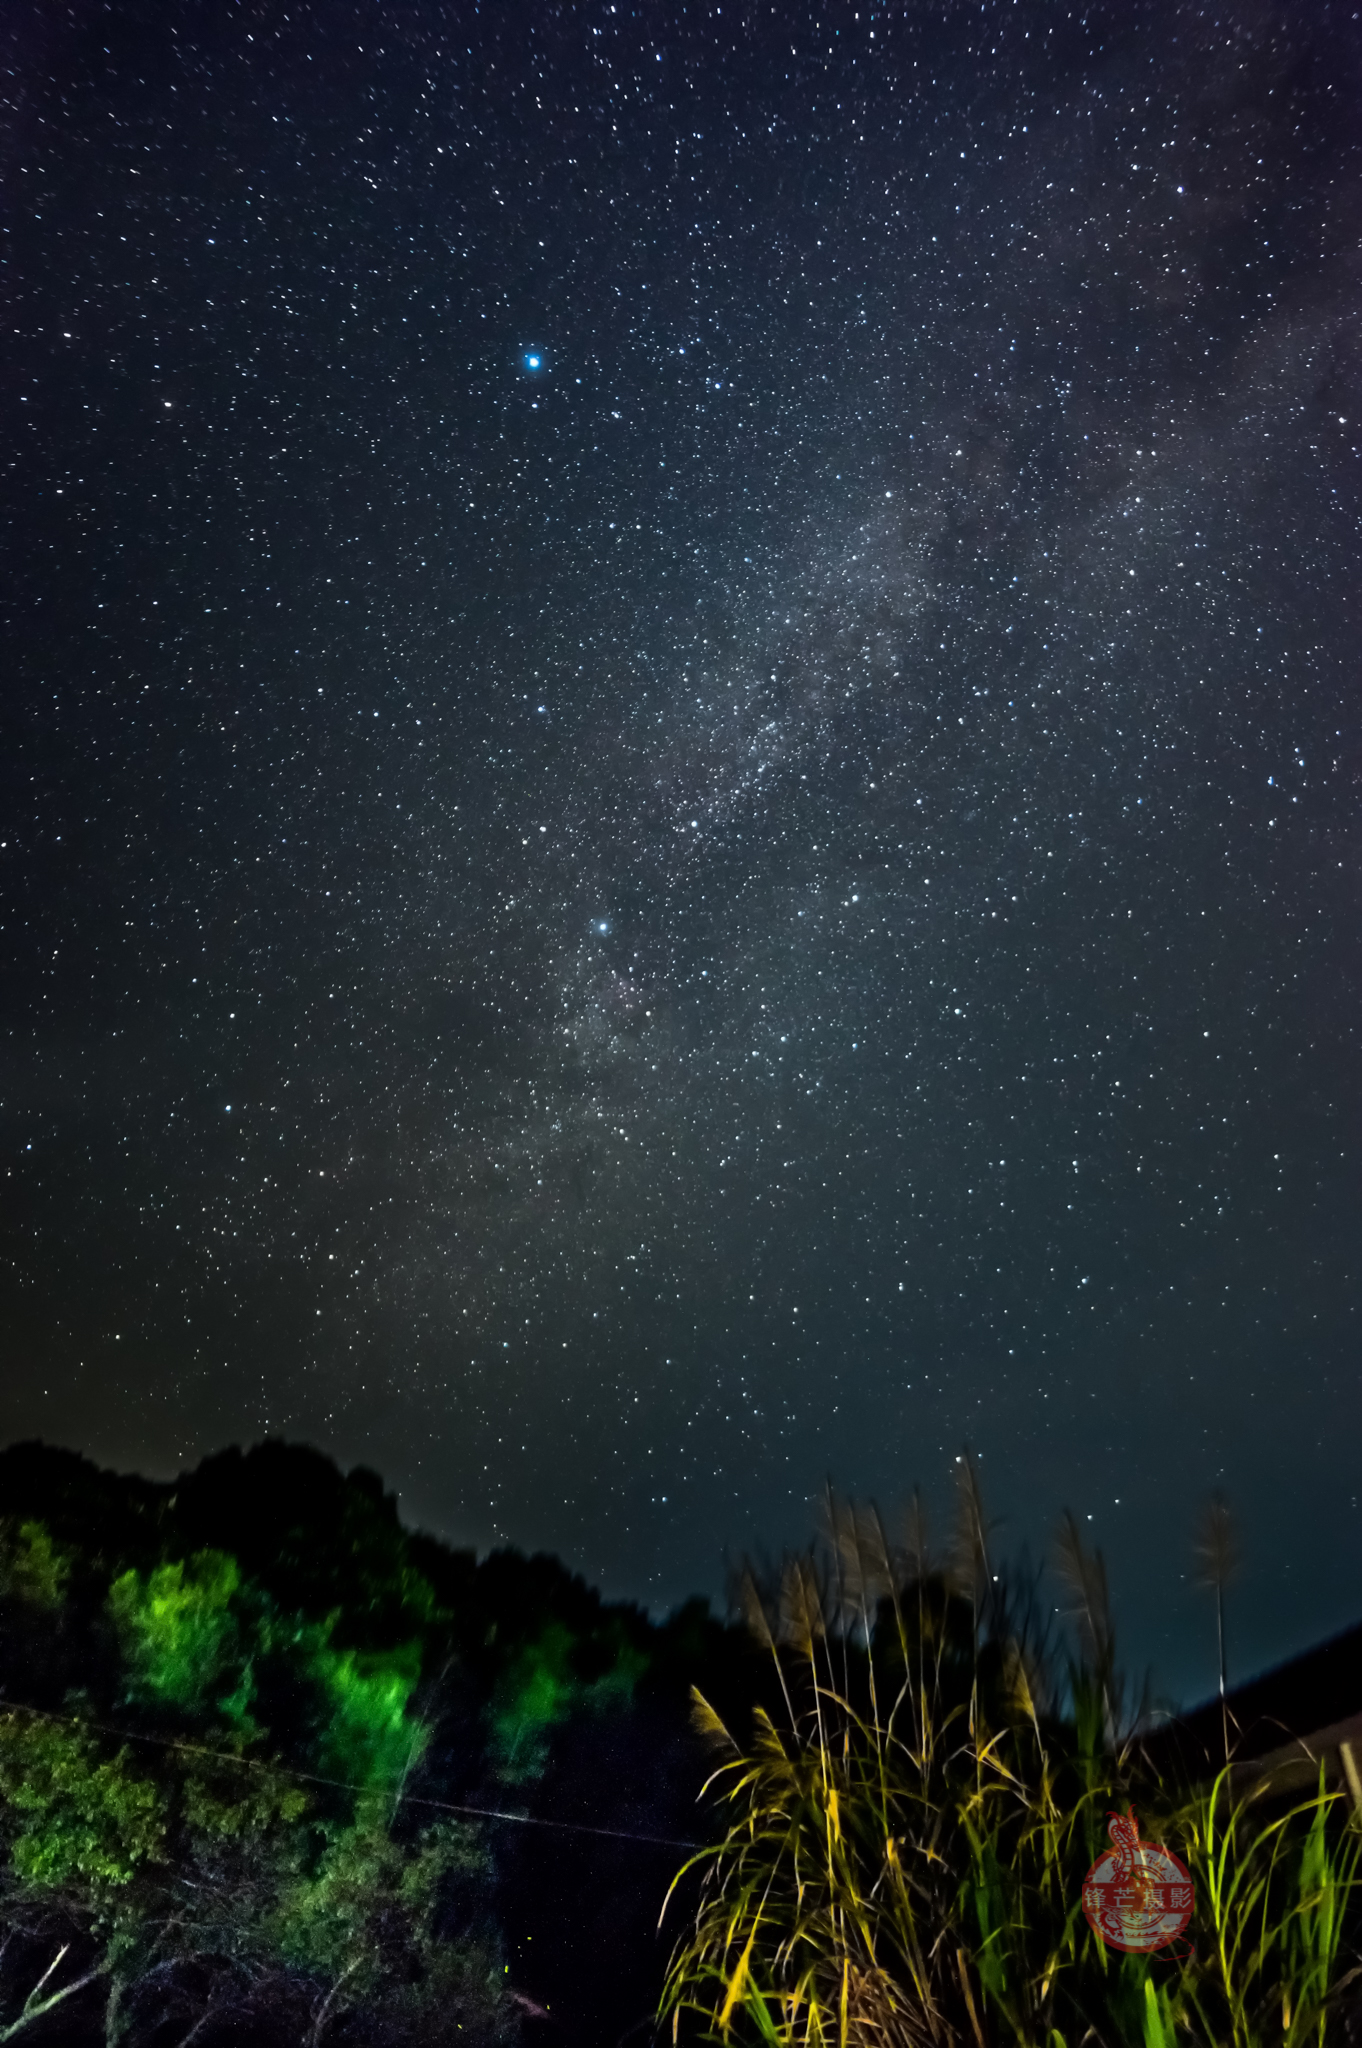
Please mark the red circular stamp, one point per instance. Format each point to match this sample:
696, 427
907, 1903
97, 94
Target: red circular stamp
1139, 1895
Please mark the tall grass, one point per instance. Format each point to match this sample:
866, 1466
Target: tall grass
905, 1835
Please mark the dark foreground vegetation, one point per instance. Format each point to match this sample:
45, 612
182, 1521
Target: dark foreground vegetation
242, 1722
275, 1770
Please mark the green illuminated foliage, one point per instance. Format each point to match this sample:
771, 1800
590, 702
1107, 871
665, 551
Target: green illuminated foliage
541, 1688
74, 1818
239, 1865
368, 1739
277, 1652
325, 1920
32, 1568
240, 1806
180, 1637
361, 1916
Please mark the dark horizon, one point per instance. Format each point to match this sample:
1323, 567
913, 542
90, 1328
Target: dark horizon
1270, 1689
681, 771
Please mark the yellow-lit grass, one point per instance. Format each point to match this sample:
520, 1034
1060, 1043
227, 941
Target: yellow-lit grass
904, 1845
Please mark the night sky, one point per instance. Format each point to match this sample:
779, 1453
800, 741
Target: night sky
681, 767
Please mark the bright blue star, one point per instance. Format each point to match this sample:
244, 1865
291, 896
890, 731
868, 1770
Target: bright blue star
533, 362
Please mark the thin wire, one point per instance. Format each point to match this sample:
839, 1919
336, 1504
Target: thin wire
251, 1763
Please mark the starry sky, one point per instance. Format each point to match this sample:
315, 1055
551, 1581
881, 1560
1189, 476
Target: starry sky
680, 767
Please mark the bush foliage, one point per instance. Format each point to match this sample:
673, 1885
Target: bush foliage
246, 1724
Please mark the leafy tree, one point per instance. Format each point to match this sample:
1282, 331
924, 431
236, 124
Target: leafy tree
368, 1737
237, 1872
292, 1673
81, 1828
180, 1637
543, 1686
75, 1818
33, 1569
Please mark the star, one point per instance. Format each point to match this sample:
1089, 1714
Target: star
919, 686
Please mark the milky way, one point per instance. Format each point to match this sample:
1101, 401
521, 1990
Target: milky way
681, 771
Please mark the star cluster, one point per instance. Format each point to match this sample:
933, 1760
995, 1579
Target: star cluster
682, 768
